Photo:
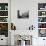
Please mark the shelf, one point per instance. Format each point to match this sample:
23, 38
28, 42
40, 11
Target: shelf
41, 22
3, 16
41, 28
42, 16
42, 19
4, 19
41, 10
3, 10
3, 22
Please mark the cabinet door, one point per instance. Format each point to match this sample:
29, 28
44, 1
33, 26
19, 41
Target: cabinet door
42, 41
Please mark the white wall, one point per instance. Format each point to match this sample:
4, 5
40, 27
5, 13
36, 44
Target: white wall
32, 6
23, 24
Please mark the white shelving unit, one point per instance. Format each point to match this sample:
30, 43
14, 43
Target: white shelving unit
4, 17
4, 22
42, 18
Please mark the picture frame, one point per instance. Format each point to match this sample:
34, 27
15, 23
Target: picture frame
21, 14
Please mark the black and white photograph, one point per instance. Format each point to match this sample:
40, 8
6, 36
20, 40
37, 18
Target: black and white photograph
23, 14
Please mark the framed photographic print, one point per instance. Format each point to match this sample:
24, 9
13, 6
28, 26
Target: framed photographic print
23, 14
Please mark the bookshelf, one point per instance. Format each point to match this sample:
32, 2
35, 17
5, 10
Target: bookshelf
42, 19
4, 19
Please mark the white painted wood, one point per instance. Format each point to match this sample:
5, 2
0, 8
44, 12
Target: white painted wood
4, 41
3, 1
